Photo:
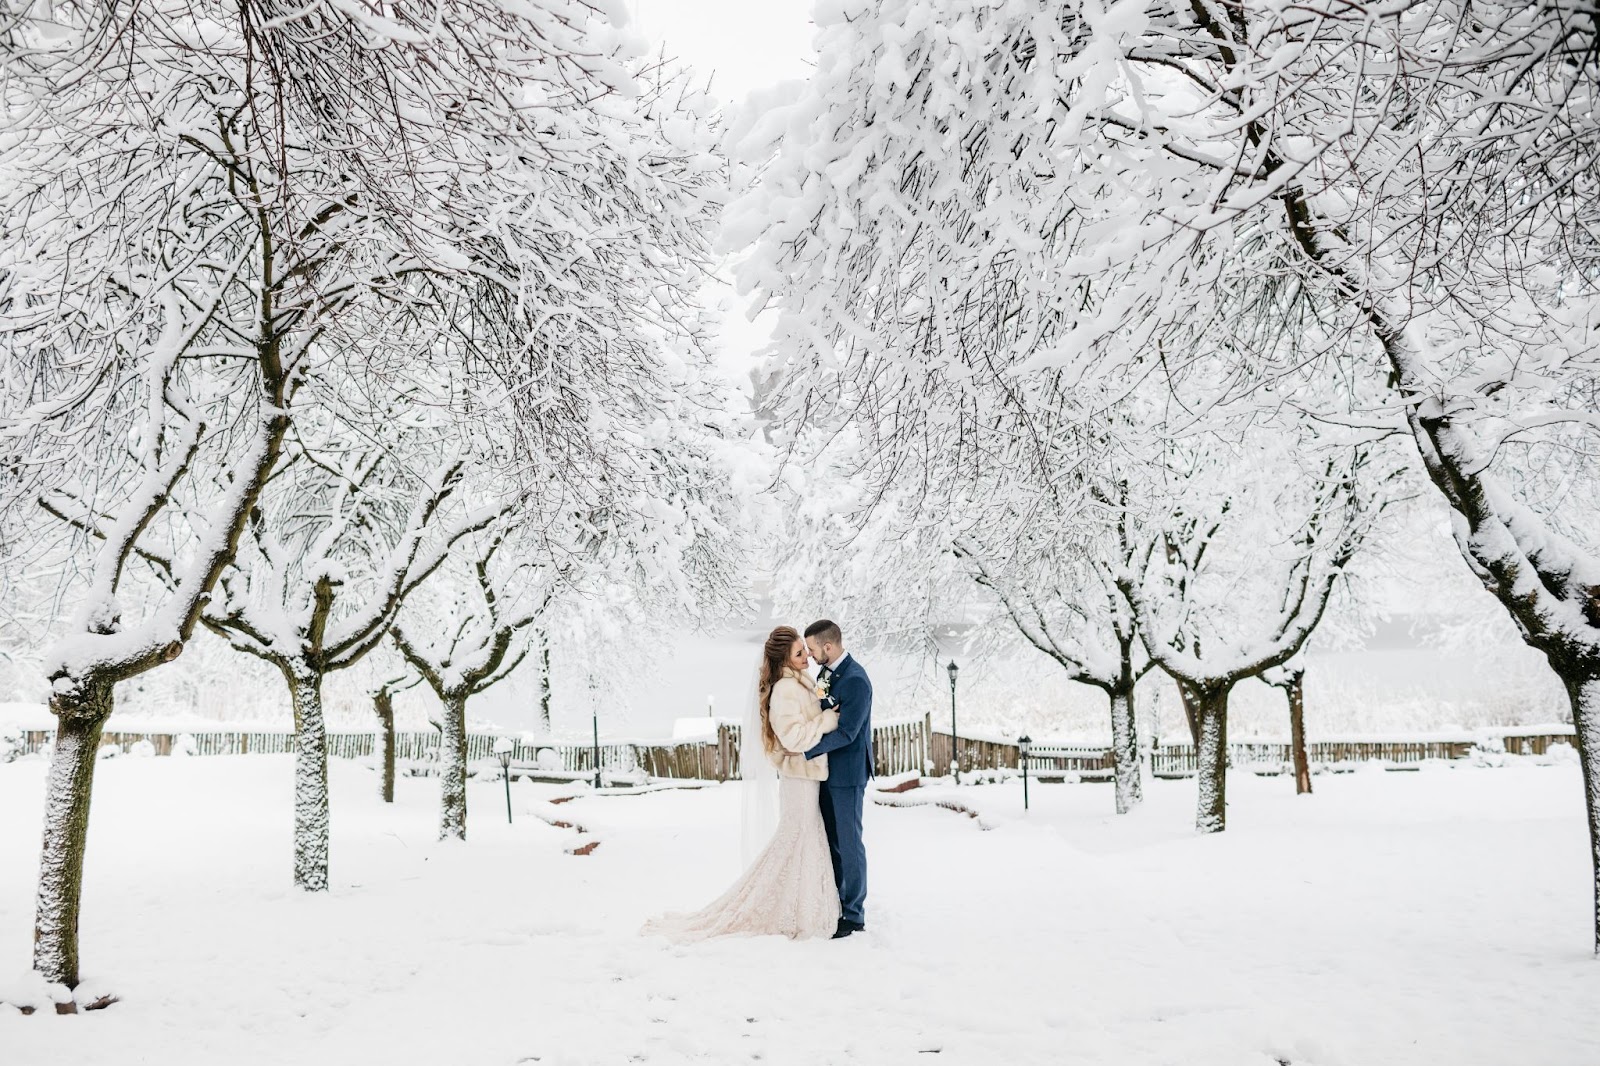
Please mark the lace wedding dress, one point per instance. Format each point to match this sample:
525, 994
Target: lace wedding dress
789, 888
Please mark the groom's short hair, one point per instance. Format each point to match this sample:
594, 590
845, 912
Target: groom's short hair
825, 631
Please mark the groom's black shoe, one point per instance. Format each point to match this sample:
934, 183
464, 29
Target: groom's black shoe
846, 927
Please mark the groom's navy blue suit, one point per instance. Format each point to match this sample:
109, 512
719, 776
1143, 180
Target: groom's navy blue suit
849, 751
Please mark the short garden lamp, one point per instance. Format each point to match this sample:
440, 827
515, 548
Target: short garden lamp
1024, 746
504, 748
955, 762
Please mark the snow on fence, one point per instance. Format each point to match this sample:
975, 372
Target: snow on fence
899, 747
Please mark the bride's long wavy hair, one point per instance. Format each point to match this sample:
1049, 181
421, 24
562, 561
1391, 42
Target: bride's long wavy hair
780, 642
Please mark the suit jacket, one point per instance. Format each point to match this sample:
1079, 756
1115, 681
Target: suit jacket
849, 748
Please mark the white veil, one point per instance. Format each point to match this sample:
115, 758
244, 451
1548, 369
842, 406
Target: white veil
759, 787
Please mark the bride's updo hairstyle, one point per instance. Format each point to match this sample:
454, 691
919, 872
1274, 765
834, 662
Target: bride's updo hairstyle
780, 642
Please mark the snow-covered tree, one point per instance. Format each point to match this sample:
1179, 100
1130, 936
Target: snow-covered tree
473, 643
337, 544
1291, 678
1063, 601
390, 684
541, 641
202, 202
1234, 577
1419, 183
157, 303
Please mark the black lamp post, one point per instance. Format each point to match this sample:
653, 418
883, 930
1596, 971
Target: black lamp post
1024, 742
503, 749
595, 711
955, 761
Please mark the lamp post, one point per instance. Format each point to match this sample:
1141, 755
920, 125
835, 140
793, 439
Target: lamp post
955, 761
503, 749
1023, 744
594, 709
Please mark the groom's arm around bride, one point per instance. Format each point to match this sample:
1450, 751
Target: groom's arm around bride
852, 693
853, 701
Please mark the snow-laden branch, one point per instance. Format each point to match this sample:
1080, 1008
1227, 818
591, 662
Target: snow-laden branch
1188, 637
1084, 660
489, 641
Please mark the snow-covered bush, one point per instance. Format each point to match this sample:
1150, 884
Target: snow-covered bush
10, 742
1559, 754
625, 778
1488, 750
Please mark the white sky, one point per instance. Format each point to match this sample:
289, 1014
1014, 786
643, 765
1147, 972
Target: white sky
741, 45
744, 44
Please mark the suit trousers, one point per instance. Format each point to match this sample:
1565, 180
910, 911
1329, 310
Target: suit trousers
841, 816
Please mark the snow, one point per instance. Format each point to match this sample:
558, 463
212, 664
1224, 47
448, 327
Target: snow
694, 728
1416, 918
37, 716
27, 716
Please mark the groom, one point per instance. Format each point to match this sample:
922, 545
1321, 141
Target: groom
849, 751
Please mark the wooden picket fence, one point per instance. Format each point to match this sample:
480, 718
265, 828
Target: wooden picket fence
344, 745
899, 747
912, 746
1533, 743
1086, 760
1178, 760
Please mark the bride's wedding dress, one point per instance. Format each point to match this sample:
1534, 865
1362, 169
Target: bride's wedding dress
789, 888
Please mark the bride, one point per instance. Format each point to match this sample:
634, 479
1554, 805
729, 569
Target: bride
789, 888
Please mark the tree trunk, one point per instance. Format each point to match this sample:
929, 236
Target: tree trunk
1191, 714
383, 706
1125, 747
1295, 688
310, 779
1211, 708
544, 681
81, 718
453, 768
1584, 692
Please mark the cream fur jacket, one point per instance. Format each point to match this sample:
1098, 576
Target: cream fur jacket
799, 722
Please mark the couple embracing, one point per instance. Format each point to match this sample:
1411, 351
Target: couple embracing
810, 879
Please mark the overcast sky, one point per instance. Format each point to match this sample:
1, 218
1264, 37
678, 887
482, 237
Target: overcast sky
744, 44
740, 45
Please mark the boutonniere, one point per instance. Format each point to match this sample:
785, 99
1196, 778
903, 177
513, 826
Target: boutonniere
822, 687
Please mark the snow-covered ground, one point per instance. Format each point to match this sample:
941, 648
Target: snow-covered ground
1430, 917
